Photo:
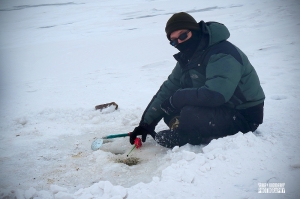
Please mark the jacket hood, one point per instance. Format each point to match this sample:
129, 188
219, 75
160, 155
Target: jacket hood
217, 32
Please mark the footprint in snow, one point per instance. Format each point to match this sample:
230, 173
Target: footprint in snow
278, 97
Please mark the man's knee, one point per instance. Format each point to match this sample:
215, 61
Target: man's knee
188, 115
195, 117
194, 122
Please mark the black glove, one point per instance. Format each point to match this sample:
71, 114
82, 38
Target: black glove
140, 130
168, 107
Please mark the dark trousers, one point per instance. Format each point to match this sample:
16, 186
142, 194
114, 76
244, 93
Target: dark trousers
199, 125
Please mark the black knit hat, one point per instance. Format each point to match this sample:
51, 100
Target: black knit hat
181, 20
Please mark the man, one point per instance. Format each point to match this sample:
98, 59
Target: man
212, 92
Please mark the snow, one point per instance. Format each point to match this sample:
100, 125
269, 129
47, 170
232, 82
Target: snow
59, 59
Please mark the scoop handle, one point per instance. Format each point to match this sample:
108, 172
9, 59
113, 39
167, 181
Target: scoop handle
116, 136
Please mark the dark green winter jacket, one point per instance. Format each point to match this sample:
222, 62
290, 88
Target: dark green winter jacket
217, 74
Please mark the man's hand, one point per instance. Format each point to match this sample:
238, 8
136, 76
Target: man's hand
140, 131
168, 107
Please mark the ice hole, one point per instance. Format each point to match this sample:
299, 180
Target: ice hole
128, 161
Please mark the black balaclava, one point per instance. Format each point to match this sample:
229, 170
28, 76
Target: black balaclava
189, 46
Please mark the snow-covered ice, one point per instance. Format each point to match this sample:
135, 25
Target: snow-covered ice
58, 59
